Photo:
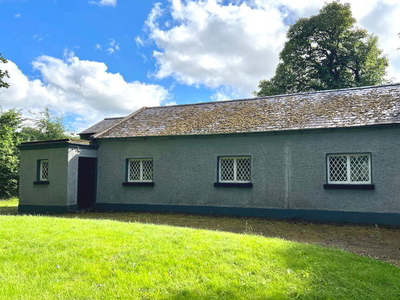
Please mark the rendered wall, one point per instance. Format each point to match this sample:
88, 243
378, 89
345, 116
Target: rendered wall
52, 194
288, 171
60, 195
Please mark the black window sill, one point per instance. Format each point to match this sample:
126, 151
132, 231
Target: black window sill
349, 186
138, 183
227, 184
41, 182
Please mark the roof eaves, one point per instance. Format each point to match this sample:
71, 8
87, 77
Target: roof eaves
61, 143
123, 120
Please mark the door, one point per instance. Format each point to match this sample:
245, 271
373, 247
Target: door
86, 182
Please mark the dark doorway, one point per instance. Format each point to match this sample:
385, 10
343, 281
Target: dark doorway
86, 182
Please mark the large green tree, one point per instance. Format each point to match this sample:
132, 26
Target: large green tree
10, 123
327, 51
45, 126
3, 74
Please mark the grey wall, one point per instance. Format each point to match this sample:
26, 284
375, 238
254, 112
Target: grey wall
62, 189
53, 194
73, 161
288, 171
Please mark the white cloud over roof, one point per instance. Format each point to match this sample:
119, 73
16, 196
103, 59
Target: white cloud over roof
80, 87
215, 44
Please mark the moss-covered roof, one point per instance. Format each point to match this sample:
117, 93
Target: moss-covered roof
324, 109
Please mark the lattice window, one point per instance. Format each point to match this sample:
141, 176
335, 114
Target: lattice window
44, 170
234, 169
349, 169
140, 170
337, 168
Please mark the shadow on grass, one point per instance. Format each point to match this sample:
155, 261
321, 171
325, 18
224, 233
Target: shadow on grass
368, 240
9, 206
193, 295
311, 272
8, 210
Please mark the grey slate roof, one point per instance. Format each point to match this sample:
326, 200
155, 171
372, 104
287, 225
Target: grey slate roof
102, 125
323, 109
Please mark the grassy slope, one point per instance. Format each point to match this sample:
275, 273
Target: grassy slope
51, 258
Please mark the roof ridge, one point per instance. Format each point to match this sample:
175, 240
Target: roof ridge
118, 123
281, 95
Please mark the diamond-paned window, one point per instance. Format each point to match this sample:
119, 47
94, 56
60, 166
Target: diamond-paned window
44, 170
235, 169
349, 169
140, 170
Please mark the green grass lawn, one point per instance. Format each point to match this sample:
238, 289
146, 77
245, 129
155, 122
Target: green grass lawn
58, 258
13, 202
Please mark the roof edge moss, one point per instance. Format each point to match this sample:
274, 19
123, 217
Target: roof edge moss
270, 132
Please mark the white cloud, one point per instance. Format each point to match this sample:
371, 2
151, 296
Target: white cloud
215, 44
78, 87
17, 16
218, 96
139, 42
225, 93
97, 47
113, 46
105, 2
382, 19
234, 45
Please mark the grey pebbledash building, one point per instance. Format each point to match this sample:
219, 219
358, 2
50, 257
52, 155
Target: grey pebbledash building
329, 156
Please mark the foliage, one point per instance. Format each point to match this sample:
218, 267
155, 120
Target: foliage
51, 258
12, 133
3, 73
10, 123
46, 127
327, 51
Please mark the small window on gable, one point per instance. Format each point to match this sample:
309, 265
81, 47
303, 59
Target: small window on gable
140, 170
349, 168
234, 169
43, 172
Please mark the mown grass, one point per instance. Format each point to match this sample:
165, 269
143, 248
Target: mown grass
13, 202
57, 258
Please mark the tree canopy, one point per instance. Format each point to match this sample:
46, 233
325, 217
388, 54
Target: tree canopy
45, 127
3, 74
327, 51
10, 123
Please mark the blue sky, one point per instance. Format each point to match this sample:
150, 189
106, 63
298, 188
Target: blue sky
49, 27
94, 59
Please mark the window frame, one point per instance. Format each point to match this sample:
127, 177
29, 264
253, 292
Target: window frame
235, 157
39, 167
349, 182
127, 170
40, 170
